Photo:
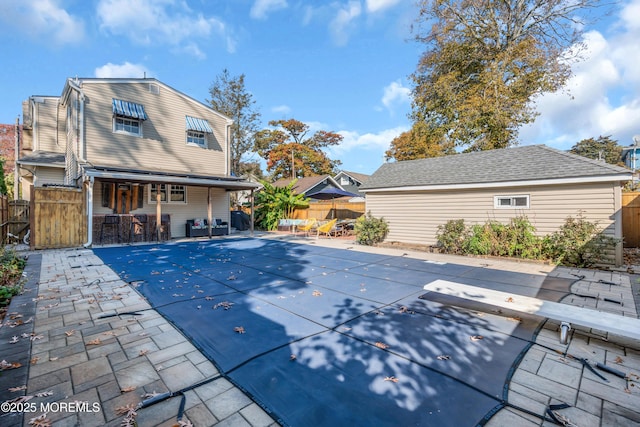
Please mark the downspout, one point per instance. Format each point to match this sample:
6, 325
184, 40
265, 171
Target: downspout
89, 212
16, 171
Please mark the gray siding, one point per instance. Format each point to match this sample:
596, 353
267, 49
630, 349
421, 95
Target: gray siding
414, 217
163, 144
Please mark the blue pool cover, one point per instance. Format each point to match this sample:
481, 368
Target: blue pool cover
324, 337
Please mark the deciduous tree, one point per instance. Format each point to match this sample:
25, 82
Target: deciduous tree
288, 146
601, 148
418, 143
486, 60
230, 97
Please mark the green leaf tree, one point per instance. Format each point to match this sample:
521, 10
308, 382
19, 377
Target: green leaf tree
601, 148
230, 97
3, 179
289, 151
274, 203
484, 63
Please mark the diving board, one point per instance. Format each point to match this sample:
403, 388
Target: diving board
624, 326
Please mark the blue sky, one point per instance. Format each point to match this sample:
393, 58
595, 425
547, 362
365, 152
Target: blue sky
339, 65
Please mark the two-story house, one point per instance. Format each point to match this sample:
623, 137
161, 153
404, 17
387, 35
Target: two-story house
136, 147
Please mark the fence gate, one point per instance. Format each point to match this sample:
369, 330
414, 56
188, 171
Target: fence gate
58, 218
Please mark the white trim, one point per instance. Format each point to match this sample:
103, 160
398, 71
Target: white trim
576, 180
168, 201
167, 179
124, 132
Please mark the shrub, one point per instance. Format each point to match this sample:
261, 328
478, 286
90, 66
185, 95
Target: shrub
451, 236
275, 203
11, 266
370, 230
578, 243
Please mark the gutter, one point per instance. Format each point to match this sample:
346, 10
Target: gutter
80, 147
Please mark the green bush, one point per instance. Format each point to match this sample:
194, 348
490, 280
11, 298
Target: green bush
11, 266
275, 203
451, 236
577, 243
370, 230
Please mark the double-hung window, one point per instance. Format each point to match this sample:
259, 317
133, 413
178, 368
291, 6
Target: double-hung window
169, 193
197, 131
128, 117
519, 201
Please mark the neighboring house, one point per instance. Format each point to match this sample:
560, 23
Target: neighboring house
131, 144
351, 182
631, 157
542, 183
309, 184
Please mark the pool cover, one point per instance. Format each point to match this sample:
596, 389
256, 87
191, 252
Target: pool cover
325, 337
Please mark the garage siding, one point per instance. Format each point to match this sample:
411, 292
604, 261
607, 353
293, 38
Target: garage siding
414, 217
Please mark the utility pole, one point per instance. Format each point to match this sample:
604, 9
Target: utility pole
16, 154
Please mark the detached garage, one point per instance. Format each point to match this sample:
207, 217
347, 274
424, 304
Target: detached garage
544, 184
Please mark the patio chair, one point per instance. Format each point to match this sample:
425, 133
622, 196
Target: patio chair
307, 227
327, 228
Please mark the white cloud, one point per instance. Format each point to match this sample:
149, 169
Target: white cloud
281, 109
604, 92
43, 20
261, 8
339, 26
150, 22
364, 152
378, 5
395, 94
127, 69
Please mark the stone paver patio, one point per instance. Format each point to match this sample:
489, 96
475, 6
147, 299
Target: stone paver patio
70, 352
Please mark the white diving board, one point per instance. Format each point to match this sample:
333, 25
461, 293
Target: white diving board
624, 326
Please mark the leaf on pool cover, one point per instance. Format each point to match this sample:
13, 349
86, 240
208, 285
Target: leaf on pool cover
293, 357
444, 357
381, 345
316, 293
392, 379
239, 329
224, 304
476, 337
405, 309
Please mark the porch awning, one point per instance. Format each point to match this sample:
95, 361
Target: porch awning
128, 109
200, 125
229, 183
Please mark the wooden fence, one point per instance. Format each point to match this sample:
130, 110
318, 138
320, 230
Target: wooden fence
58, 218
4, 217
329, 210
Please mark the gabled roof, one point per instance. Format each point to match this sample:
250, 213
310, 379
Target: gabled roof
360, 177
306, 183
525, 165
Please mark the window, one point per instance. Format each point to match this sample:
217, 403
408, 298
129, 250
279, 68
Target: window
126, 125
197, 130
511, 202
344, 180
168, 193
178, 193
196, 138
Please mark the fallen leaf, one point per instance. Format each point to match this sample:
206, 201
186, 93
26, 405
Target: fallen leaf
444, 357
143, 352
14, 340
514, 319
293, 357
53, 359
618, 360
40, 421
476, 337
224, 304
208, 298
316, 293
14, 389
95, 342
185, 423
510, 299
381, 345
127, 389
392, 379
44, 394
70, 332
4, 365
34, 360
239, 329
36, 337
405, 309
